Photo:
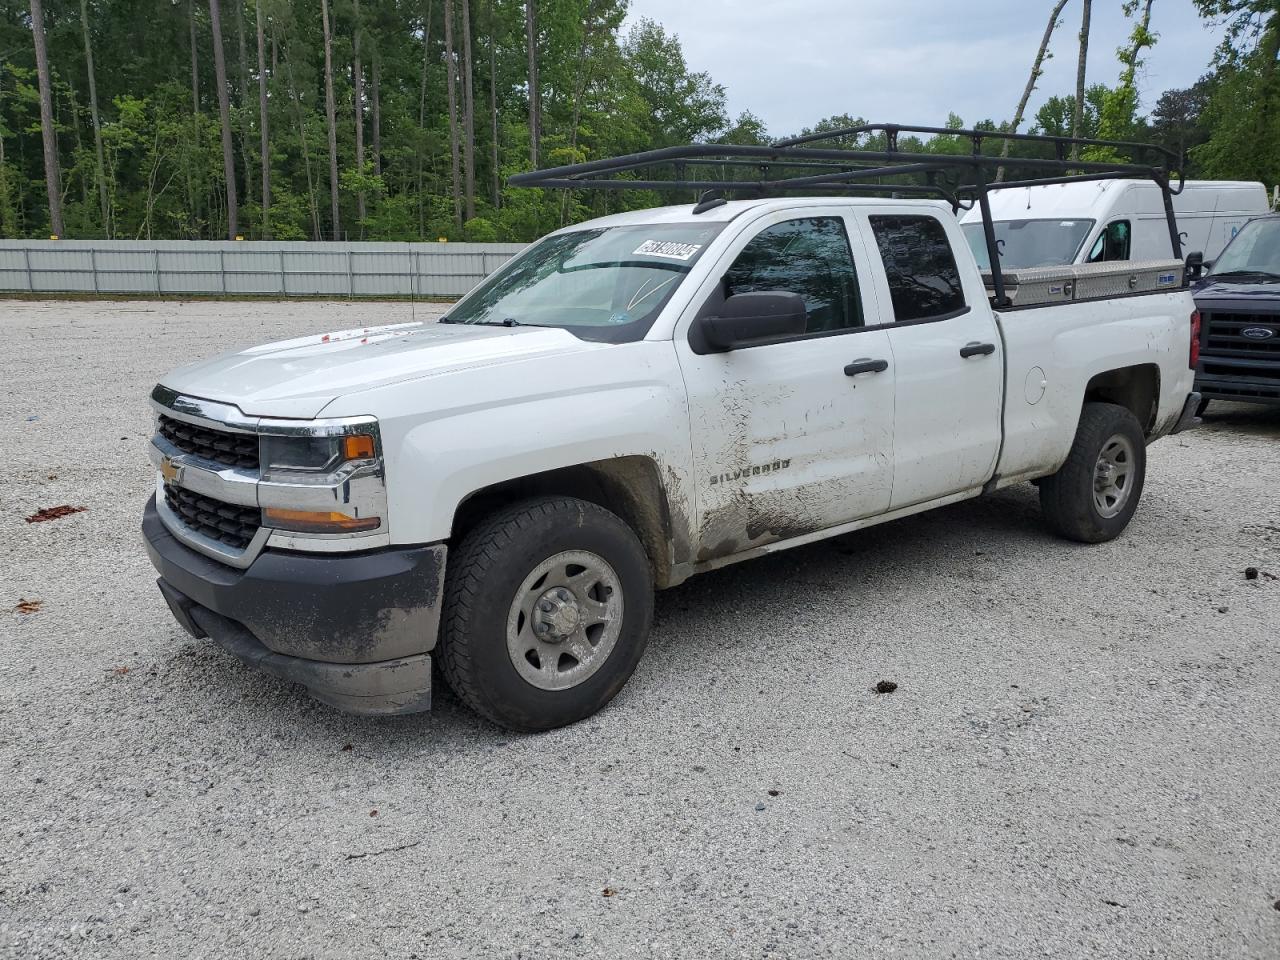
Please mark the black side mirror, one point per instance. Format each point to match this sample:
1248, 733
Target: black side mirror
1195, 266
748, 319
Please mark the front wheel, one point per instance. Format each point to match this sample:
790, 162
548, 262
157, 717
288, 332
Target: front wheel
547, 610
1093, 496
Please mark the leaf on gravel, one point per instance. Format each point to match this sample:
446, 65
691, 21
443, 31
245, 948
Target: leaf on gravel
118, 671
1251, 573
373, 813
886, 686
608, 892
54, 513
28, 606
346, 747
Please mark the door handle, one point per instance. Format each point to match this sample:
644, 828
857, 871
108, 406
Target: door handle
865, 365
976, 349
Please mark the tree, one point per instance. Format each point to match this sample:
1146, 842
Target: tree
1119, 109
48, 135
263, 124
451, 80
100, 167
1077, 118
535, 105
1241, 116
332, 119
468, 113
224, 112
357, 73
1178, 119
1037, 67
243, 110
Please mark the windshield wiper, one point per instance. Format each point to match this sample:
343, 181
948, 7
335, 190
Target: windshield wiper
1244, 273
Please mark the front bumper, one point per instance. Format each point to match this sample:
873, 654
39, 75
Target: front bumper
355, 629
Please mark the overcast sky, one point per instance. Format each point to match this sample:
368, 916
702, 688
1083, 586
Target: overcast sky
914, 61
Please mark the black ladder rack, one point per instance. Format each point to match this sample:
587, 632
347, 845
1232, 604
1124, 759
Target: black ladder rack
804, 165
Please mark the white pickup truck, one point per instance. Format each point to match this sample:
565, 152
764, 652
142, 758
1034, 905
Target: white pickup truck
629, 402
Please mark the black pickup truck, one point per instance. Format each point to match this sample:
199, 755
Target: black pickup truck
1239, 303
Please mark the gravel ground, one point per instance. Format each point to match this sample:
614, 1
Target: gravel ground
1079, 761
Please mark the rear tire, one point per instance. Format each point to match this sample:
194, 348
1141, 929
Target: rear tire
547, 610
1201, 407
1092, 497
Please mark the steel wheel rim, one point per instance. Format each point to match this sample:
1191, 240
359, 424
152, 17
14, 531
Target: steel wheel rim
1114, 476
565, 620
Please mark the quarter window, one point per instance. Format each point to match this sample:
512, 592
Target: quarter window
924, 282
810, 257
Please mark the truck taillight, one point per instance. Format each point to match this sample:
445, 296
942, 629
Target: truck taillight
1193, 355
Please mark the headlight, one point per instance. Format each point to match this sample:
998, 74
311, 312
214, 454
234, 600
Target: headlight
324, 478
313, 455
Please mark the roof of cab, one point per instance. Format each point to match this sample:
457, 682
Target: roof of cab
683, 213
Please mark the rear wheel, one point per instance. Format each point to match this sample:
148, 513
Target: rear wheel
1094, 495
1201, 407
547, 611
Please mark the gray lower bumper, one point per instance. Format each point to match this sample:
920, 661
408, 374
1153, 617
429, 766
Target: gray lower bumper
355, 630
390, 687
1188, 419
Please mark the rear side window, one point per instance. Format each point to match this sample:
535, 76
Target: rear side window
810, 257
924, 282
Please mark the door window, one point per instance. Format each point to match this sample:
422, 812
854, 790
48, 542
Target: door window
1113, 244
924, 282
810, 257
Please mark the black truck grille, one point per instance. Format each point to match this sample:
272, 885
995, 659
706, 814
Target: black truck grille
227, 523
221, 446
1225, 336
1239, 360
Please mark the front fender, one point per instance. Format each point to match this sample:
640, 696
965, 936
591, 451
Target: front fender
450, 436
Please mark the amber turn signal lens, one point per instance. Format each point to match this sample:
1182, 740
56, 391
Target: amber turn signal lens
358, 446
318, 521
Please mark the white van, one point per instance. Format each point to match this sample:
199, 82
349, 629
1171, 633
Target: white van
1068, 223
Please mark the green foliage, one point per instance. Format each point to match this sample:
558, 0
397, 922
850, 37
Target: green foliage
604, 91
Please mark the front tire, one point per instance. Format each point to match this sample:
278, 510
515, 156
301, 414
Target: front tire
547, 611
1092, 498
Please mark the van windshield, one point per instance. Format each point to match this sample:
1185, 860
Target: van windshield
1029, 243
606, 284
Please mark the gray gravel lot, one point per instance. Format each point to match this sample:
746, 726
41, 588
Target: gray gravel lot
1080, 759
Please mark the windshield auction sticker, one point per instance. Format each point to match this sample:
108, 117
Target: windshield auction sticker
669, 249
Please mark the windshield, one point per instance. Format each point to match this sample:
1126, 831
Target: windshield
600, 284
1029, 243
1255, 250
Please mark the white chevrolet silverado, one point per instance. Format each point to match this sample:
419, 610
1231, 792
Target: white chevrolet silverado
629, 402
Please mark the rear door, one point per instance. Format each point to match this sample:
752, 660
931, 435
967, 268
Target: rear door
947, 356
785, 441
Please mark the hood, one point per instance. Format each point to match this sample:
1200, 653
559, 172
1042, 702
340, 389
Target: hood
1238, 294
298, 378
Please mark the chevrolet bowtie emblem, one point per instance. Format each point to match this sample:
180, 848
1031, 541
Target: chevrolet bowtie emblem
170, 471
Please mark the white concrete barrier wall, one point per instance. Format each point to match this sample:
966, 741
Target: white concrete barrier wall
246, 268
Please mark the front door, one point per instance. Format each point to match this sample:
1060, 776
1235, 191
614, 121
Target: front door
794, 436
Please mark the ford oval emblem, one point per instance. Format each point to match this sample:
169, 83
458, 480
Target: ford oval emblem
1258, 333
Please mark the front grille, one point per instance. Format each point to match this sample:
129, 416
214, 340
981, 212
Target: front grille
227, 523
221, 446
1224, 335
